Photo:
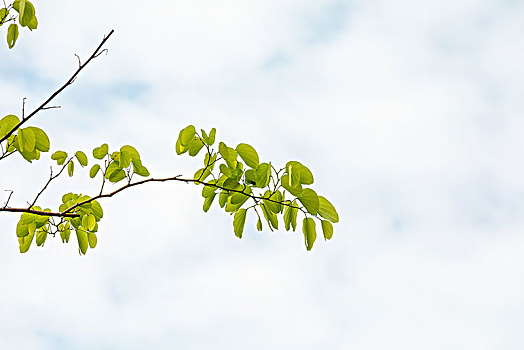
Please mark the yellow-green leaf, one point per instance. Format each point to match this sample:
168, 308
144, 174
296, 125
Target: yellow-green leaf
309, 230
239, 221
327, 210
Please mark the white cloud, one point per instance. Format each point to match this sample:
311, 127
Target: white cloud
407, 113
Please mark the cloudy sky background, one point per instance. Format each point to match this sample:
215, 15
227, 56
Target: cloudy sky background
409, 114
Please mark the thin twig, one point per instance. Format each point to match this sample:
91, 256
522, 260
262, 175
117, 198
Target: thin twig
57, 92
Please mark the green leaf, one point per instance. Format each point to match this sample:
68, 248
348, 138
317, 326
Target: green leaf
70, 168
295, 191
212, 135
124, 159
100, 152
208, 201
131, 151
310, 233
91, 238
186, 135
327, 229
294, 212
96, 209
139, 169
180, 149
89, 222
82, 158
94, 170
310, 201
222, 198
239, 222
251, 177
327, 210
195, 146
25, 242
301, 172
26, 140
241, 198
263, 173
33, 24
22, 229
12, 35
117, 175
273, 196
65, 234
3, 15
248, 154
271, 217
259, 225
41, 236
287, 216
209, 190
229, 154
41, 140
81, 236
204, 136
202, 174
7, 123
60, 157
111, 168
26, 13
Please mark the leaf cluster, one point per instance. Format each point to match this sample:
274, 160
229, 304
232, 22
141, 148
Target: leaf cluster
25, 12
236, 175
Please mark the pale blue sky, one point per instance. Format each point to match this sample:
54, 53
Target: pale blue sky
409, 114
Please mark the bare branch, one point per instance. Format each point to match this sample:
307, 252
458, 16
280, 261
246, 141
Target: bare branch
95, 54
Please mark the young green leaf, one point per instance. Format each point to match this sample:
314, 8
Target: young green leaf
25, 242
186, 135
94, 170
131, 151
139, 169
70, 168
248, 154
327, 210
239, 221
117, 175
195, 147
271, 217
7, 123
100, 152
287, 216
60, 157
124, 160
91, 238
222, 198
302, 172
208, 201
26, 140
12, 35
82, 158
89, 222
263, 173
41, 140
212, 135
310, 200
309, 230
81, 236
327, 229
97, 211
41, 236
273, 196
259, 225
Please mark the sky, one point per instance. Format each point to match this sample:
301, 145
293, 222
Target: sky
408, 113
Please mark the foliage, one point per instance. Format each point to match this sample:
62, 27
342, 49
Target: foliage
22, 10
236, 177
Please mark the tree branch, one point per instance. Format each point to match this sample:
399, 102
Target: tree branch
43, 106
